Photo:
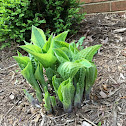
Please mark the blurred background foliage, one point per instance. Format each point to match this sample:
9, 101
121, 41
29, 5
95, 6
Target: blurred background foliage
18, 16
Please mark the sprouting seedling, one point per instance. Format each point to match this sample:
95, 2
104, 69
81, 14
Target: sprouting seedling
80, 42
99, 124
16, 71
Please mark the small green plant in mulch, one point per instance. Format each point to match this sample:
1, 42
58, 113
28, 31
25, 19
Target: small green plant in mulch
70, 71
80, 42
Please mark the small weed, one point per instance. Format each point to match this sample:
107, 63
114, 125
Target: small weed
16, 71
80, 42
99, 124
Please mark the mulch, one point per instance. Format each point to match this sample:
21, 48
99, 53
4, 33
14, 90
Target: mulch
108, 95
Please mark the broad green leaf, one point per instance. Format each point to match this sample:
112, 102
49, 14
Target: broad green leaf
31, 48
46, 59
38, 37
39, 75
56, 82
66, 51
77, 98
34, 62
91, 75
87, 53
39, 96
52, 44
47, 100
61, 36
84, 62
59, 44
22, 61
59, 92
50, 73
80, 88
61, 56
66, 94
27, 72
69, 69
45, 89
73, 50
19, 54
47, 44
53, 102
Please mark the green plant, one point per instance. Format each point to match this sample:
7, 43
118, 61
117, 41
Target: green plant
31, 99
16, 19
99, 124
50, 101
70, 71
60, 15
66, 94
80, 42
3, 45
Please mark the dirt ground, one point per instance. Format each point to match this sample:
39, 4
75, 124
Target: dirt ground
108, 96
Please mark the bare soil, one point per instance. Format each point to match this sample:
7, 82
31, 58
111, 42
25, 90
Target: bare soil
108, 95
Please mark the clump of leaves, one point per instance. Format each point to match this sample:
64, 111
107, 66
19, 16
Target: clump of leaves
70, 71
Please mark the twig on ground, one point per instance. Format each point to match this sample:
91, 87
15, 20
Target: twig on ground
75, 122
87, 120
70, 120
114, 117
12, 75
1, 118
11, 108
69, 37
43, 116
32, 116
63, 124
8, 67
119, 30
113, 92
43, 120
67, 121
60, 115
112, 79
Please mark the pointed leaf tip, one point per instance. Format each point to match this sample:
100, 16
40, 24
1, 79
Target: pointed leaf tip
38, 37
